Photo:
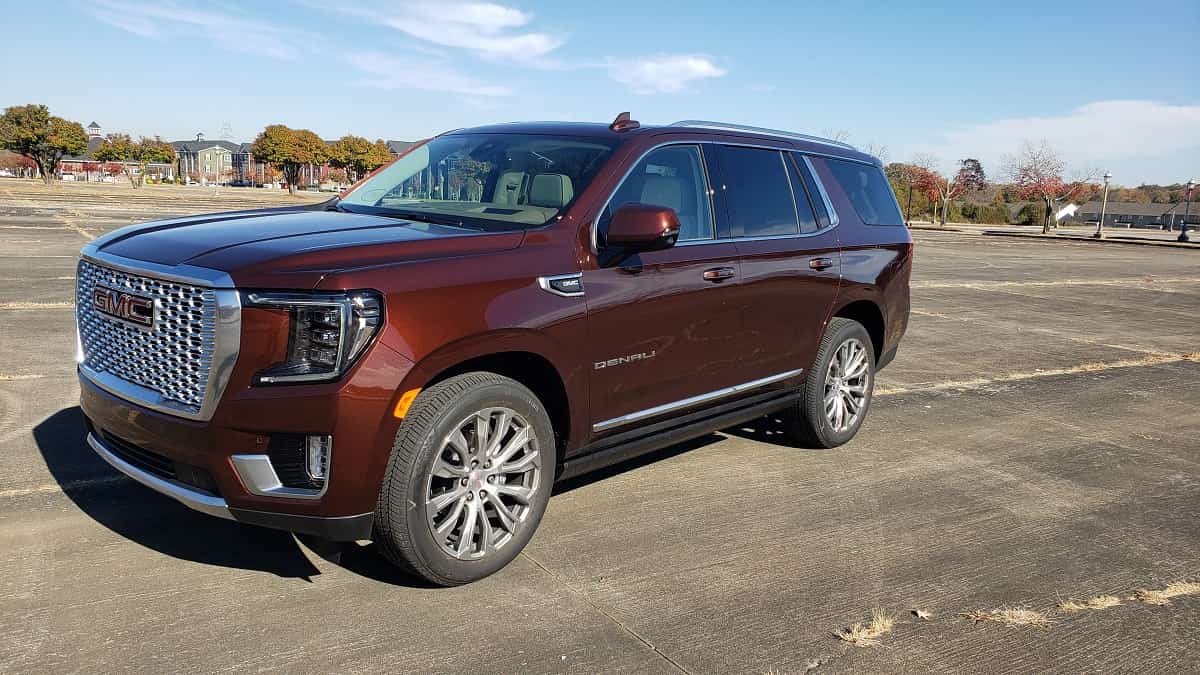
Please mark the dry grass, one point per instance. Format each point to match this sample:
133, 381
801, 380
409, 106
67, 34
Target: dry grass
1097, 602
1163, 597
1010, 616
868, 635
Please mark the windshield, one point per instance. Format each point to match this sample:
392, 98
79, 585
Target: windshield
489, 181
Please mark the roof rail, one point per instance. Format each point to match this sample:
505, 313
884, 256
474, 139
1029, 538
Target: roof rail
705, 124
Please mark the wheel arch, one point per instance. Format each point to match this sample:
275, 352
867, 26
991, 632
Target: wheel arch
870, 315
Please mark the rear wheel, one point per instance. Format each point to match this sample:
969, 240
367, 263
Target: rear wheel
837, 393
468, 481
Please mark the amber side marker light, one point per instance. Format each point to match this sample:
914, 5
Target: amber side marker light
405, 402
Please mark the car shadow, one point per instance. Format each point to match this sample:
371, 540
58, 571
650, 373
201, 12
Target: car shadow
634, 463
768, 429
153, 520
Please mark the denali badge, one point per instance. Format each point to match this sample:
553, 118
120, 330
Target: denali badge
135, 309
626, 359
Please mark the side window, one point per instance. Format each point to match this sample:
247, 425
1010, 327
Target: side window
804, 200
868, 190
757, 192
673, 177
814, 191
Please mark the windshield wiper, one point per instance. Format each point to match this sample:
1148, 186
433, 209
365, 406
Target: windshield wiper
435, 218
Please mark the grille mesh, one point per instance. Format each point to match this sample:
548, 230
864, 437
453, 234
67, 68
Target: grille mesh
173, 358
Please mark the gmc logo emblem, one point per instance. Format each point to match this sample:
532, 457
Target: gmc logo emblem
125, 306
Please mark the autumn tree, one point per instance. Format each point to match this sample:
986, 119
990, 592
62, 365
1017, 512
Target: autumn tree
1037, 173
358, 156
122, 148
31, 130
289, 150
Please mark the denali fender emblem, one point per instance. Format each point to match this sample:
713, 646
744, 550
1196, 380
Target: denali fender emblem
135, 309
625, 359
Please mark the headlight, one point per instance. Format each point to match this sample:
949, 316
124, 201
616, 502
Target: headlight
328, 332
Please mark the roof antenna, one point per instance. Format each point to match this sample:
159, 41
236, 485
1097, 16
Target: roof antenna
623, 123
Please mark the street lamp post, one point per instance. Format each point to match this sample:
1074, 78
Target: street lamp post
1187, 209
1103, 206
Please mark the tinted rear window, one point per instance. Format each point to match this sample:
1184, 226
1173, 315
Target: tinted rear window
868, 190
757, 192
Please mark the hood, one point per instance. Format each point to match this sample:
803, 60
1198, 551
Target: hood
295, 248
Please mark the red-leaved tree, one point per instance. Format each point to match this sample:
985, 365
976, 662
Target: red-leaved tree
1037, 173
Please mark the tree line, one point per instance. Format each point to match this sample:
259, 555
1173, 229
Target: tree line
43, 140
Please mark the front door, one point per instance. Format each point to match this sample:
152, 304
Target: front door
661, 330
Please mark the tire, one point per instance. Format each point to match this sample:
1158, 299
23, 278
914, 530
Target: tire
430, 480
807, 423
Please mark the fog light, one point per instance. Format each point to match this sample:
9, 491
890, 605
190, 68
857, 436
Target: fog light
317, 457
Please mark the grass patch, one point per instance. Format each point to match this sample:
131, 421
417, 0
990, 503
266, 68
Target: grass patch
867, 635
1010, 616
1163, 596
1097, 602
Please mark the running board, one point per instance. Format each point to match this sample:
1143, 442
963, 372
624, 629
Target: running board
630, 444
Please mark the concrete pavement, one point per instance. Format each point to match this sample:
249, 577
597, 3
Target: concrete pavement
1036, 439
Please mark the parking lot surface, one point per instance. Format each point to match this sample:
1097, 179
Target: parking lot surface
1036, 440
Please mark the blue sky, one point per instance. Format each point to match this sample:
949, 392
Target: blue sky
1112, 86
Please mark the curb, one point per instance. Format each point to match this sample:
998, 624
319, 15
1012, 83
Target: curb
935, 228
1090, 240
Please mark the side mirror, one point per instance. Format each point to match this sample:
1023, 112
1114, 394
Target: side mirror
643, 227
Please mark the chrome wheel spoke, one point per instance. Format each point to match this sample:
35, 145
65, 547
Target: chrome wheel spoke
521, 464
518, 441
466, 536
846, 382
503, 422
444, 469
441, 501
451, 520
507, 519
518, 492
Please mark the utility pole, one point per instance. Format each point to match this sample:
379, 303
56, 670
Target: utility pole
1103, 206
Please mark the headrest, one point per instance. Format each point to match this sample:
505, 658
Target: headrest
663, 191
552, 190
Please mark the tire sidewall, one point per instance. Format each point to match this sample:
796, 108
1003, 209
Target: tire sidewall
425, 547
816, 391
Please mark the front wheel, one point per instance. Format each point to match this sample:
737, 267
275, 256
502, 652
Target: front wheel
837, 392
468, 481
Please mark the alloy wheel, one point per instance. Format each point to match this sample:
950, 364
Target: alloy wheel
482, 483
846, 383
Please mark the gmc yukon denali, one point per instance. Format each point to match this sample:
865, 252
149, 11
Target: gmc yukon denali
419, 360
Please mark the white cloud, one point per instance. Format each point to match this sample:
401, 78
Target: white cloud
663, 73
487, 29
1103, 134
387, 72
230, 31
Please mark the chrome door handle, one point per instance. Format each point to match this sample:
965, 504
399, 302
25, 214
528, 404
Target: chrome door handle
820, 263
719, 274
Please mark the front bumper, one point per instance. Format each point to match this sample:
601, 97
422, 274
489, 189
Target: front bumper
221, 466
343, 528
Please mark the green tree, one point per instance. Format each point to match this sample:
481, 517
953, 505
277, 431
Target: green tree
358, 156
30, 130
139, 153
289, 150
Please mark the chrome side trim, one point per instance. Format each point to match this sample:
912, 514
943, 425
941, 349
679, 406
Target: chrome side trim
258, 477
833, 215
544, 284
729, 126
189, 497
693, 400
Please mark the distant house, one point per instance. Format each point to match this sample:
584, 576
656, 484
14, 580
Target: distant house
85, 167
1134, 214
206, 161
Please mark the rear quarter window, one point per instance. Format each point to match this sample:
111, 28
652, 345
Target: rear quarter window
868, 190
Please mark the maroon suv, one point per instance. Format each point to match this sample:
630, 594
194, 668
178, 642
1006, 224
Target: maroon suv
502, 307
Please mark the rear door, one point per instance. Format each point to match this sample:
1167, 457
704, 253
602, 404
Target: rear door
790, 257
663, 325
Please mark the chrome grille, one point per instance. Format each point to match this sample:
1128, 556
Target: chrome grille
172, 359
